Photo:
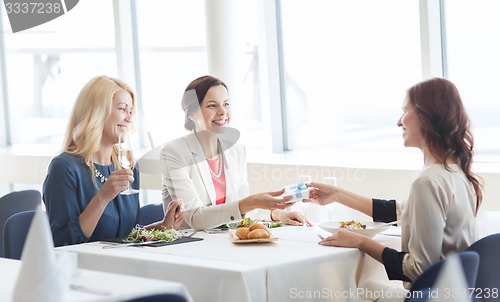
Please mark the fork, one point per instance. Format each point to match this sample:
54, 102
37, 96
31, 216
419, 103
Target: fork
130, 244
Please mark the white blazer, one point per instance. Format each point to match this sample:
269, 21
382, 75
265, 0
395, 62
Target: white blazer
185, 174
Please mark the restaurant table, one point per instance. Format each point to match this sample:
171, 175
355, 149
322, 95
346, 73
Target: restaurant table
294, 267
90, 285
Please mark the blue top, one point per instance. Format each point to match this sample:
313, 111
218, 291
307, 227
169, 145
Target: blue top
68, 189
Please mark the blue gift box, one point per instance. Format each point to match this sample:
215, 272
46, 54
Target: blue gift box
298, 191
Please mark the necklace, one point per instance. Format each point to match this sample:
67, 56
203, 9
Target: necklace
99, 175
221, 159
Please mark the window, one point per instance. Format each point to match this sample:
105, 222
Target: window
48, 65
473, 63
347, 67
173, 52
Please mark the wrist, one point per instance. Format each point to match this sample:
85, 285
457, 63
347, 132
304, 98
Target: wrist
338, 196
245, 205
361, 243
276, 215
100, 199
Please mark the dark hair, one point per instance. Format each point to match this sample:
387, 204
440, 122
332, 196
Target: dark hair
445, 125
194, 94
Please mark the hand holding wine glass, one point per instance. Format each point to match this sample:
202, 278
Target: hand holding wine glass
126, 158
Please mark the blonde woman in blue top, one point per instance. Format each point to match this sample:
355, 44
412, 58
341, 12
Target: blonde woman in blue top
82, 188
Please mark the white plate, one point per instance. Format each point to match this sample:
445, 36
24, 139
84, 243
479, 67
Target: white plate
235, 239
370, 231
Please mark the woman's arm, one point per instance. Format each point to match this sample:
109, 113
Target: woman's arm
181, 176
268, 201
344, 238
390, 258
427, 209
117, 182
62, 202
325, 194
74, 204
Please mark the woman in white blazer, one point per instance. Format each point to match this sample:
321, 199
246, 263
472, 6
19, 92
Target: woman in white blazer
208, 168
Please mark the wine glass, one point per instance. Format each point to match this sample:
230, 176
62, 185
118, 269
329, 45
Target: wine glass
125, 158
305, 179
330, 180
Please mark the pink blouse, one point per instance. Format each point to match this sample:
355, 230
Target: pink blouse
219, 182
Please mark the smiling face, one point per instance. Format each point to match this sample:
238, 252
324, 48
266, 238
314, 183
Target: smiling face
119, 119
410, 124
214, 109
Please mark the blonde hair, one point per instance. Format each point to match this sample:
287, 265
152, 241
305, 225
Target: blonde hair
90, 111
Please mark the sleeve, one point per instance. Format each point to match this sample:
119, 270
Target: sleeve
384, 210
61, 200
426, 208
177, 181
393, 263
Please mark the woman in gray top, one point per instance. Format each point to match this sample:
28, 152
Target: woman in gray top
439, 216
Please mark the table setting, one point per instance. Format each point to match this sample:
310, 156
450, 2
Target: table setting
48, 274
271, 270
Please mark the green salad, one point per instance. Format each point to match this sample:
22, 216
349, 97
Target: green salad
247, 222
140, 234
273, 224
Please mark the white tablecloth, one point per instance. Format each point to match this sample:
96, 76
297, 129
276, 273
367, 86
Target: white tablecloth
107, 286
293, 268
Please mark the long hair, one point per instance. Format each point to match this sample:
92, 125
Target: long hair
446, 126
90, 111
194, 94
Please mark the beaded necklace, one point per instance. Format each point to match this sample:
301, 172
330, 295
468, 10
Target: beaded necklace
99, 175
221, 159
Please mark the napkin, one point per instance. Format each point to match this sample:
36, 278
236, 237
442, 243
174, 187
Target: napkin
42, 277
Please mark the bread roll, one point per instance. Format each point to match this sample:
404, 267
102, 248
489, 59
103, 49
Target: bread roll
258, 234
257, 225
242, 233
